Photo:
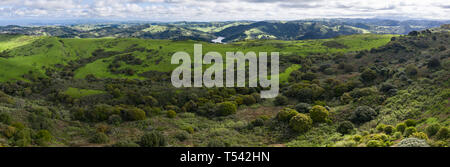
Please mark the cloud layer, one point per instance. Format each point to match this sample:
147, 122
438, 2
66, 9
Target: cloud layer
220, 10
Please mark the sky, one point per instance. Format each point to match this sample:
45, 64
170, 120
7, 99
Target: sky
221, 10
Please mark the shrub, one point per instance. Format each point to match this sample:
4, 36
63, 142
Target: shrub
357, 138
389, 129
226, 108
410, 123
300, 123
401, 127
9, 131
303, 107
249, 100
409, 131
125, 143
99, 138
411, 70
43, 137
217, 143
345, 127
5, 118
258, 122
134, 114
368, 76
171, 114
375, 143
380, 127
115, 119
319, 114
398, 135
153, 139
443, 133
419, 135
286, 114
413, 142
432, 129
182, 136
363, 114
281, 100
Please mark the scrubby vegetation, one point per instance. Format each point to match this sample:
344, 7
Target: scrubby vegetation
350, 91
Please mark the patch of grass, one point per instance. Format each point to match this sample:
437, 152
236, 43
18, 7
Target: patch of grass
78, 93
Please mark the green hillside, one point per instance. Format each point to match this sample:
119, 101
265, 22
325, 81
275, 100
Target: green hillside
153, 55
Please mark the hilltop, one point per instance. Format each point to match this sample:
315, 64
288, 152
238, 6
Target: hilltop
231, 31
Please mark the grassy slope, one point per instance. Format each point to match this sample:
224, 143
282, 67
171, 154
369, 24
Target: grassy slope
49, 51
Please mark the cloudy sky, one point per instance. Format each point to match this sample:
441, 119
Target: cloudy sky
220, 10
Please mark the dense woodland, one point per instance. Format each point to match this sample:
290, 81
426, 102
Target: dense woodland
395, 95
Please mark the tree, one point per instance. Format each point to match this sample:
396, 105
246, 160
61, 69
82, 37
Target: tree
226, 108
319, 114
345, 127
300, 123
153, 139
363, 114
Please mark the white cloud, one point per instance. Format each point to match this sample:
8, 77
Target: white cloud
216, 10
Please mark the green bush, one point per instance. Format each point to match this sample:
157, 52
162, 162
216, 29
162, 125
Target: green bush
125, 143
281, 100
300, 123
286, 114
9, 131
411, 70
363, 114
226, 108
182, 136
380, 127
171, 114
368, 75
398, 135
133, 114
375, 143
43, 137
409, 131
401, 127
5, 118
389, 129
443, 133
153, 139
410, 123
303, 107
432, 129
319, 114
345, 127
419, 135
249, 100
99, 138
115, 119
